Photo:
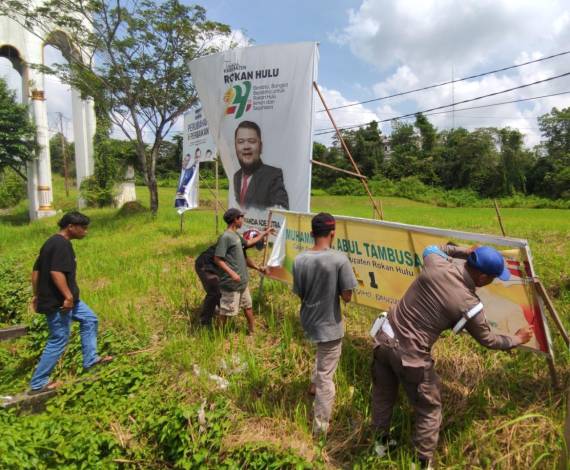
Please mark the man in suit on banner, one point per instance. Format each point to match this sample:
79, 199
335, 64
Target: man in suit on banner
256, 184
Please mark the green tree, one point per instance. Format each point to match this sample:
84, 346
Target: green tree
133, 61
551, 172
405, 151
468, 160
56, 149
17, 133
366, 147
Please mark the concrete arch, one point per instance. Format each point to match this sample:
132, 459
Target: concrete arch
30, 50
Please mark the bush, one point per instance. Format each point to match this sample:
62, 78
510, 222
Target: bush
96, 195
15, 292
347, 187
12, 188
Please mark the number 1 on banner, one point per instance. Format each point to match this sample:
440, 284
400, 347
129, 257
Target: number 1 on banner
373, 280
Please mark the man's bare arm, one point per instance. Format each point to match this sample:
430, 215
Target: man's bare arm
35, 282
224, 266
346, 295
60, 282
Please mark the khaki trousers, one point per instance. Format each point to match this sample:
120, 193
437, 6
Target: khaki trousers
328, 355
422, 385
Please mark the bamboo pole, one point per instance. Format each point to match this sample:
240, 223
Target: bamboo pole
550, 307
217, 195
266, 240
332, 167
343, 144
266, 244
499, 217
565, 454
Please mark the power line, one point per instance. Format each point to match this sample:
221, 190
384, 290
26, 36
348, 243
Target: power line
429, 87
428, 113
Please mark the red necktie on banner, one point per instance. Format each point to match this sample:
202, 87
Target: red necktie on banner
244, 185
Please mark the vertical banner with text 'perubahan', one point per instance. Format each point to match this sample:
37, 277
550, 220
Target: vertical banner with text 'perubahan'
387, 257
259, 105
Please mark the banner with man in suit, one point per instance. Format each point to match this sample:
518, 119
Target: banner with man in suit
259, 105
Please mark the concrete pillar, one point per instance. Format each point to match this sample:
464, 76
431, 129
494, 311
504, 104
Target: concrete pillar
89, 107
44, 187
83, 166
32, 166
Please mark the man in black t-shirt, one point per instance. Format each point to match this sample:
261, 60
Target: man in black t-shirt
56, 295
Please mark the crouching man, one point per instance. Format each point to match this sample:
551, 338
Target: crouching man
442, 297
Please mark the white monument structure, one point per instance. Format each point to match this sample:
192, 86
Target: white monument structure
23, 47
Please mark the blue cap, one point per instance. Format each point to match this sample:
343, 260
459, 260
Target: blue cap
489, 261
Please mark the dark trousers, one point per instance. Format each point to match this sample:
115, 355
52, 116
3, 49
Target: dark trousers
211, 283
422, 385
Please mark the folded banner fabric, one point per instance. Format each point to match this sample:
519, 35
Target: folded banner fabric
187, 191
259, 105
387, 257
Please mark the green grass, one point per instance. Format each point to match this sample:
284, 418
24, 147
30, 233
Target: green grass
137, 273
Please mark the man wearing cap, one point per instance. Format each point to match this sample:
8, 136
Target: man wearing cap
442, 297
209, 275
321, 276
232, 261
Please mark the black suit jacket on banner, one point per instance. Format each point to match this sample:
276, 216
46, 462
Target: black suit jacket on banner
265, 188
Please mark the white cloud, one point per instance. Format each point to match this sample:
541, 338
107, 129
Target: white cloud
417, 42
343, 117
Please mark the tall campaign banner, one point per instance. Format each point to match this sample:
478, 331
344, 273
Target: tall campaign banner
197, 146
387, 257
187, 191
259, 106
198, 143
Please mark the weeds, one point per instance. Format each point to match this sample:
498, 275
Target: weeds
147, 410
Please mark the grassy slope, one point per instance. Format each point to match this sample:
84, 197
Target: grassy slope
137, 273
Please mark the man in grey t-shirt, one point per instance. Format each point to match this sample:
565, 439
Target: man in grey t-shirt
320, 277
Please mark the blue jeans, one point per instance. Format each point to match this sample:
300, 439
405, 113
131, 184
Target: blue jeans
59, 325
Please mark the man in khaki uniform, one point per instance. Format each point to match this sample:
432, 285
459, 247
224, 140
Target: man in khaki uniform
442, 297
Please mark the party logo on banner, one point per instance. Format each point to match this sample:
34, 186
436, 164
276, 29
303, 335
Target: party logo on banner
237, 99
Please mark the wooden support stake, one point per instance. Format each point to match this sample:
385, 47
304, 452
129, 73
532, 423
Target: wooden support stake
332, 167
381, 210
565, 454
550, 307
266, 240
553, 374
343, 143
217, 196
181, 221
266, 245
13, 332
499, 217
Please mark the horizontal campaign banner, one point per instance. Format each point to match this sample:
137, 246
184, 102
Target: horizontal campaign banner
386, 258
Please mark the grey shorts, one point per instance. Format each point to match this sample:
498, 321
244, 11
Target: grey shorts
232, 301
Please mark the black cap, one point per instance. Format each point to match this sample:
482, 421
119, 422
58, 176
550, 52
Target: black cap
322, 224
232, 214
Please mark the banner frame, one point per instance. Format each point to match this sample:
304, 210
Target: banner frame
499, 240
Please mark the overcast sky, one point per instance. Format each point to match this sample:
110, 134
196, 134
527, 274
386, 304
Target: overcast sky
374, 48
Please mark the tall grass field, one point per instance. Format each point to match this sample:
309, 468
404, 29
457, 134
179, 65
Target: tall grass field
178, 396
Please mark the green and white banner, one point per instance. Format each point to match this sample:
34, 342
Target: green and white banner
259, 105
